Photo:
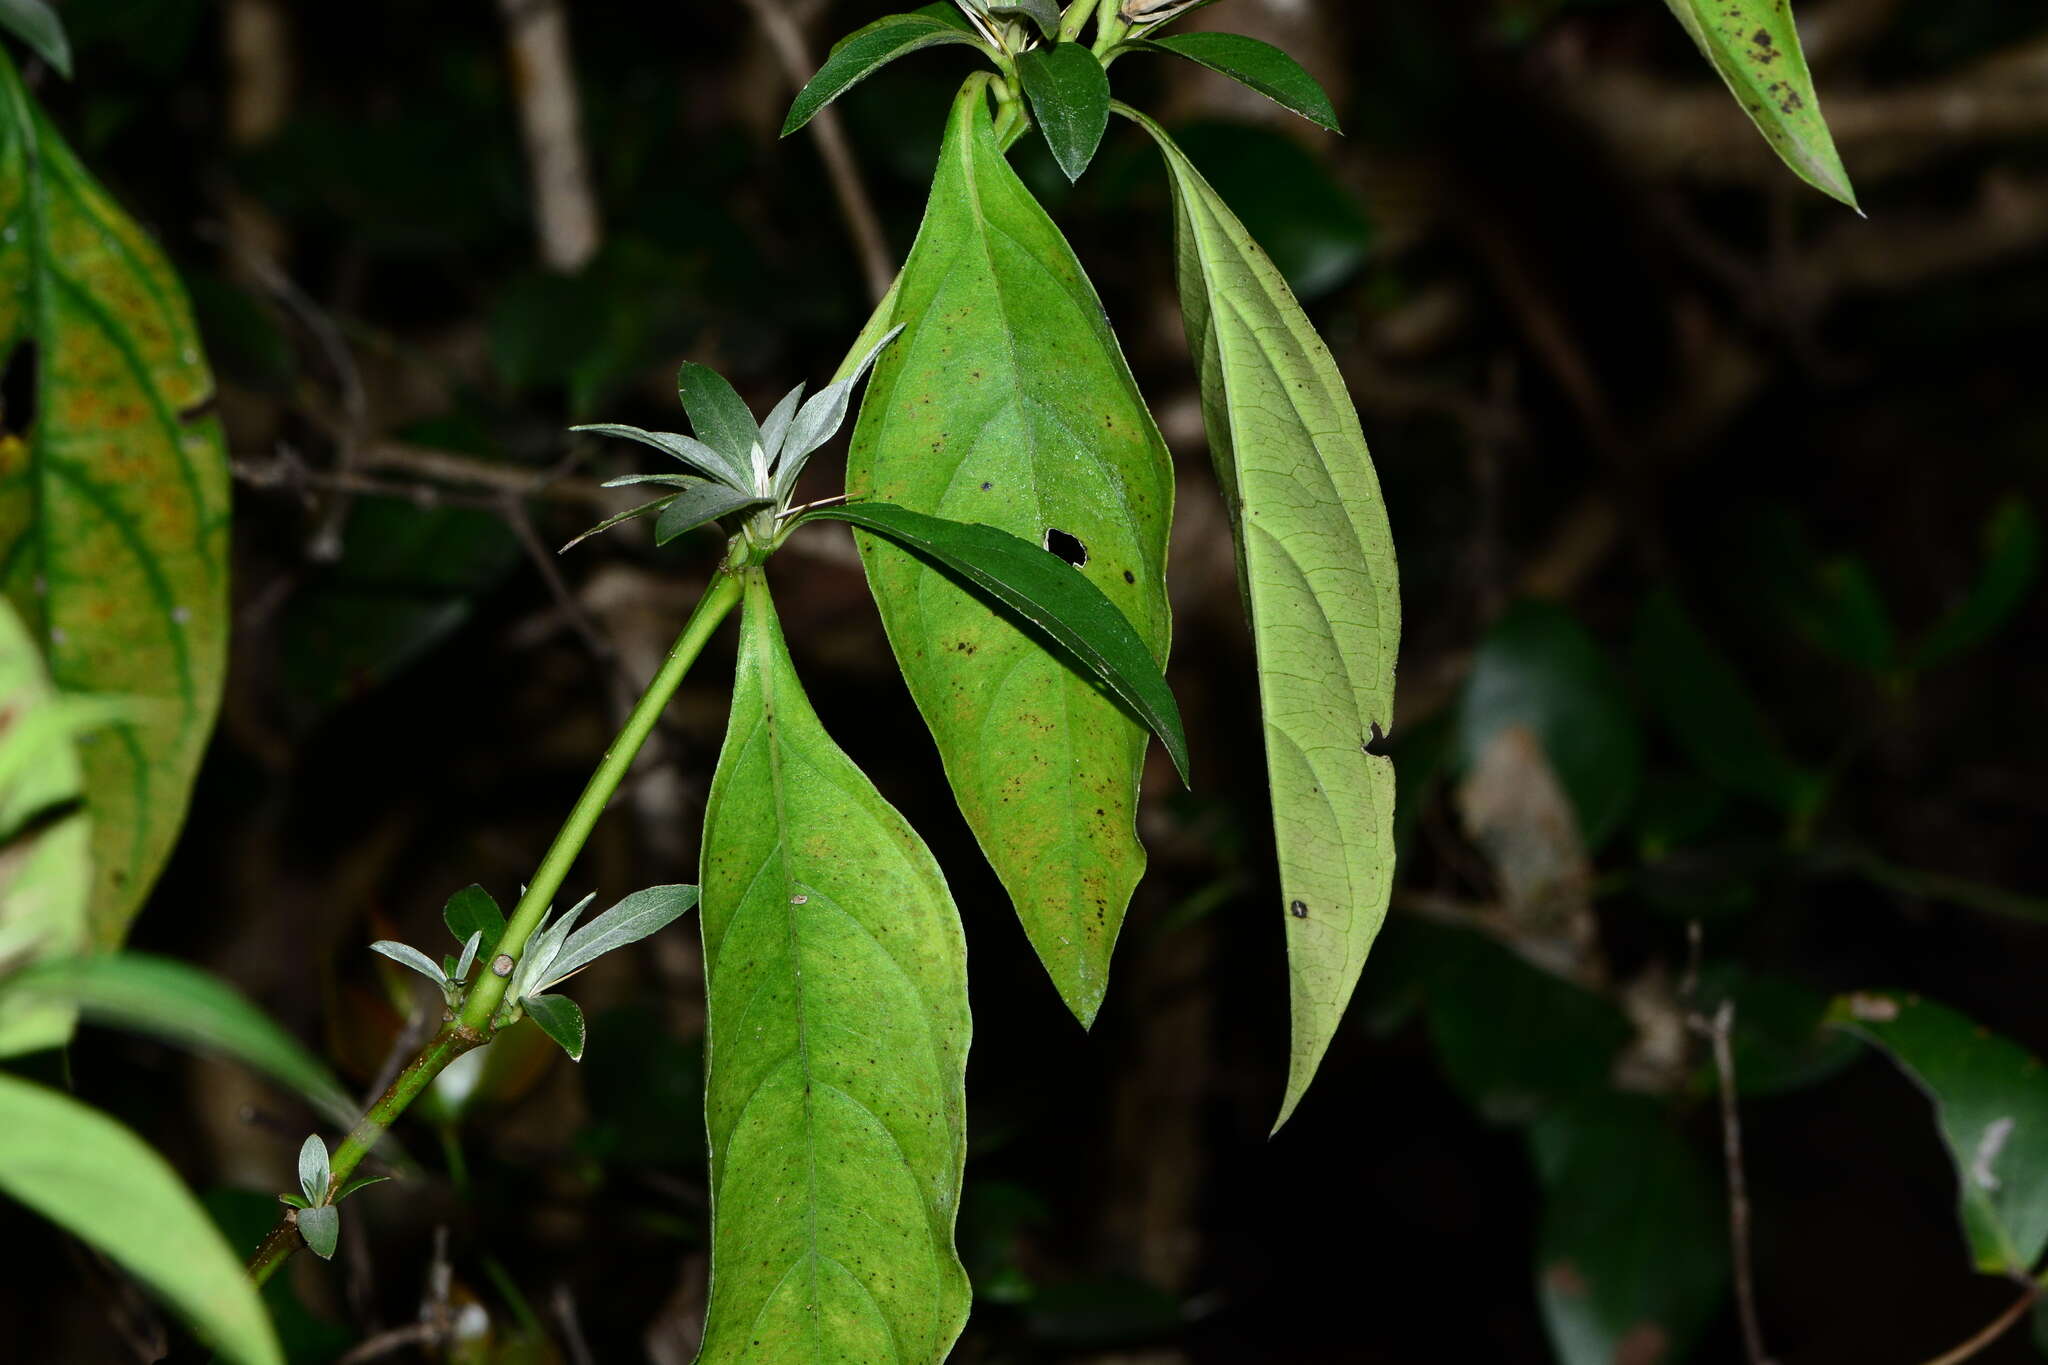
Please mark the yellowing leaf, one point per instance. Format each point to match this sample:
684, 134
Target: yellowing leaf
113, 494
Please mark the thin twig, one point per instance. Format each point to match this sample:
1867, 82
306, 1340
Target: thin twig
1993, 1330
544, 82
865, 226
572, 1327
392, 1342
1719, 1031
514, 512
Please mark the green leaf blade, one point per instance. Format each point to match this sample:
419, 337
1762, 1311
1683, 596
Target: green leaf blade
1046, 591
837, 1035
561, 1019
91, 1176
720, 418
862, 53
1316, 559
472, 911
1069, 94
1007, 402
313, 1170
321, 1227
37, 25
1754, 45
701, 506
636, 917
114, 507
1257, 65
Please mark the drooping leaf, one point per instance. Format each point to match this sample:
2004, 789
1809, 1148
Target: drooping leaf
561, 1019
837, 1043
1007, 402
45, 844
1069, 93
472, 910
1713, 717
408, 956
36, 24
1754, 45
1538, 667
865, 51
1256, 64
321, 1227
186, 1006
1313, 225
98, 1181
1316, 561
700, 506
2012, 565
1631, 1264
313, 1169
1046, 591
113, 494
632, 919
698, 455
1991, 1102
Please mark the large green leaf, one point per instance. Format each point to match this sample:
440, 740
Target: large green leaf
1991, 1100
1316, 559
1069, 93
113, 494
98, 1181
1007, 402
1257, 64
1754, 44
836, 1040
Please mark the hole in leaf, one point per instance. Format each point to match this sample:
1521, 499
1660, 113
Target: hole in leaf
1377, 745
1067, 547
18, 391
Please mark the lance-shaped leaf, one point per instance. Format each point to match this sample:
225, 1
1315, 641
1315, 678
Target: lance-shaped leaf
1007, 402
836, 1042
700, 506
408, 956
113, 494
719, 416
632, 919
1046, 591
865, 51
183, 1005
1991, 1102
1316, 560
629, 515
470, 947
541, 951
1256, 64
821, 419
313, 1169
101, 1183
36, 24
705, 459
1069, 93
1754, 44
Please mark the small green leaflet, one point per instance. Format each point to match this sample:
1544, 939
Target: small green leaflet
472, 911
632, 919
701, 505
104, 1185
862, 53
1046, 591
1991, 1101
1316, 559
114, 506
836, 1046
560, 1019
1259, 65
1069, 93
314, 1171
320, 1225
36, 24
1754, 44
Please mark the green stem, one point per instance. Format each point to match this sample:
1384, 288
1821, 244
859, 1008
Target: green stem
475, 1025
1076, 19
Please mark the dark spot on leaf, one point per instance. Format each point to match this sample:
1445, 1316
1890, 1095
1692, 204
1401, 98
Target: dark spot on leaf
1067, 547
18, 391
1762, 38
1130, 577
985, 487
203, 408
1299, 909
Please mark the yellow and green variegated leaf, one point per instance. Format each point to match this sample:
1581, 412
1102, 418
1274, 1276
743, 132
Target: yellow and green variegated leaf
1316, 560
1007, 402
1754, 45
835, 1045
113, 495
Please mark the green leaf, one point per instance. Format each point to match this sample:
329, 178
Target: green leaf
1316, 561
169, 1000
1712, 715
360, 1182
837, 1044
458, 970
1311, 224
632, 513
98, 1181
719, 416
632, 919
706, 459
541, 951
473, 911
820, 420
1045, 590
314, 1173
1631, 1259
560, 1019
699, 506
114, 505
408, 956
1754, 44
321, 1227
1044, 13
1007, 402
1991, 1103
1259, 65
45, 842
862, 53
1069, 93
2012, 564
37, 25
1538, 668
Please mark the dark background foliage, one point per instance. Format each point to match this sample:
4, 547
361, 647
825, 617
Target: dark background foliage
1685, 463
